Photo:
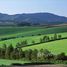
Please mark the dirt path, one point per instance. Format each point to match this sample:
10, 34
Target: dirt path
58, 65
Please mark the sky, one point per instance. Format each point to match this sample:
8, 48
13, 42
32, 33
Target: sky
11, 7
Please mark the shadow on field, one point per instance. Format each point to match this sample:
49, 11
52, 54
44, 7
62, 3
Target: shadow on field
38, 65
42, 66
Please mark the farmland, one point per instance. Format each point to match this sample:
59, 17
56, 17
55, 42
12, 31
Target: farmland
28, 31
55, 47
33, 34
28, 38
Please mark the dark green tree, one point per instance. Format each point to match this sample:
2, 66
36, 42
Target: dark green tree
55, 36
59, 36
33, 42
61, 56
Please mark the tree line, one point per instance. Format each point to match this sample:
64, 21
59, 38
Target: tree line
44, 39
52, 38
9, 52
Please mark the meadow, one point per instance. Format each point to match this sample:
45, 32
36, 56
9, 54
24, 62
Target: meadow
33, 34
29, 39
56, 47
9, 62
28, 31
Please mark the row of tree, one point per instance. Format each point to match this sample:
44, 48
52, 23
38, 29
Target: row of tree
48, 39
9, 52
42, 40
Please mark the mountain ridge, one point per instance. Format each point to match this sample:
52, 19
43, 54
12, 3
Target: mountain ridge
34, 18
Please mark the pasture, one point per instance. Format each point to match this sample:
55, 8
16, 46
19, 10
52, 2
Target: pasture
33, 34
56, 47
28, 31
29, 39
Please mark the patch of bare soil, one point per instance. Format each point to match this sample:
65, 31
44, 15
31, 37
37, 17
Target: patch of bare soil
58, 65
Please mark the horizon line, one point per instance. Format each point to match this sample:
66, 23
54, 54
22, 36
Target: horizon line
32, 13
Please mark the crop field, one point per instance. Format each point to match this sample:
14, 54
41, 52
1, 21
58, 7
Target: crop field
29, 34
29, 39
33, 34
28, 31
13, 31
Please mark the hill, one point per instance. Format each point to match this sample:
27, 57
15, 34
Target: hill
32, 18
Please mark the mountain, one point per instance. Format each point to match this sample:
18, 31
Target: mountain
32, 18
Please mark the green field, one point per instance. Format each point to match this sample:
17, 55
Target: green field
29, 39
16, 31
9, 62
56, 47
28, 31
33, 34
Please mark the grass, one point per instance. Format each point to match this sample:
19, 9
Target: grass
29, 39
9, 62
55, 47
12, 31
28, 31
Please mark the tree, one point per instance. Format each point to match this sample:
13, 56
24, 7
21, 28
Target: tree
15, 53
41, 40
59, 36
18, 45
55, 36
34, 55
44, 38
24, 43
52, 38
9, 50
33, 42
4, 50
40, 55
21, 53
61, 56
26, 54
47, 54
47, 39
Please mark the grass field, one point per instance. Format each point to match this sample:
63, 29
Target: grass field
35, 38
14, 31
55, 47
29, 39
28, 31
9, 62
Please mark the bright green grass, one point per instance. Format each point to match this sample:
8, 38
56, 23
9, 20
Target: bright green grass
55, 47
29, 39
9, 62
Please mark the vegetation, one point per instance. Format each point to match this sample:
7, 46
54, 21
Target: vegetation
29, 30
35, 55
9, 52
9, 62
37, 44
